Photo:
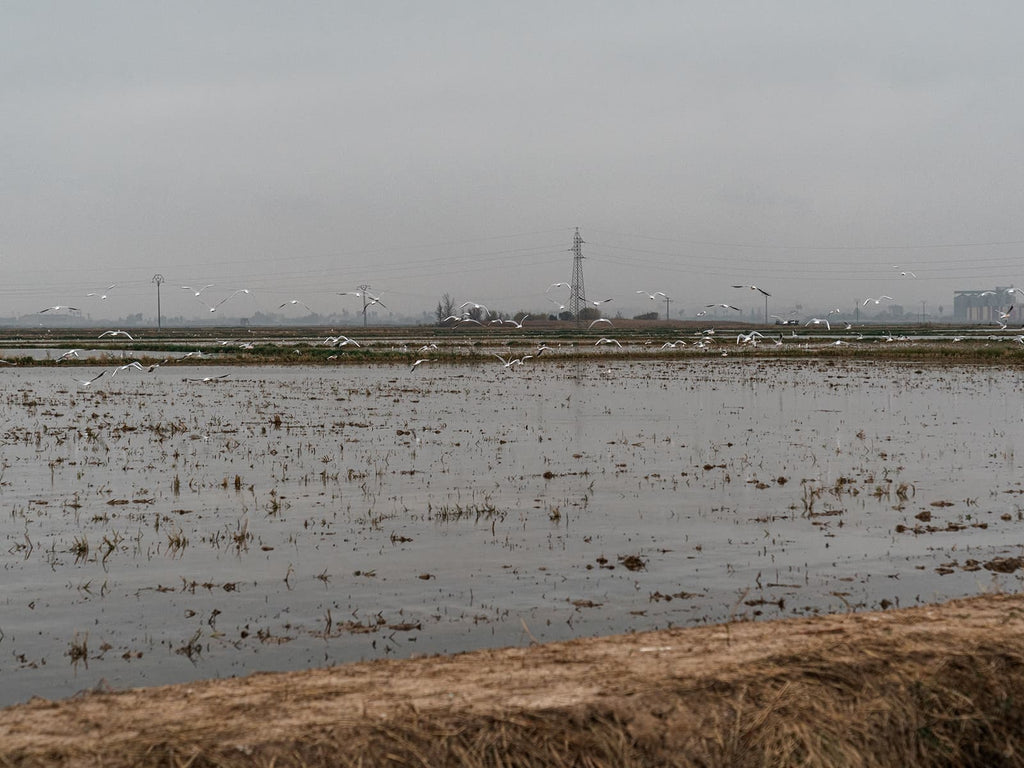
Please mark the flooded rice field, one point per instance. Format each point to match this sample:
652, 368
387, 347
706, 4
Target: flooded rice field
170, 525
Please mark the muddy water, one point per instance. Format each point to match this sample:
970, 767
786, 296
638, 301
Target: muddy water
157, 528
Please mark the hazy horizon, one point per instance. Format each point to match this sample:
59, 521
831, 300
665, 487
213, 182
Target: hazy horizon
815, 150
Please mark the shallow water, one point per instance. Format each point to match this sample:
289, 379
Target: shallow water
158, 529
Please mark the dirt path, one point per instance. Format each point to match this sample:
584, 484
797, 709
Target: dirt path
940, 685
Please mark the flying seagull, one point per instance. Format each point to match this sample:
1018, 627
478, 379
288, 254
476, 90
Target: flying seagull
294, 301
134, 364
370, 298
102, 295
513, 322
475, 305
87, 382
116, 333
58, 308
215, 306
339, 341
753, 288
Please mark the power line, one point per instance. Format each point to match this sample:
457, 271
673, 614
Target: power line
791, 247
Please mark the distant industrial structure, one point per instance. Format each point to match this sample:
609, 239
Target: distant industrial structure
983, 305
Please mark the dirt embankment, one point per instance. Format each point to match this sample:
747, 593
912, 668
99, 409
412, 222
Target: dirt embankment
937, 685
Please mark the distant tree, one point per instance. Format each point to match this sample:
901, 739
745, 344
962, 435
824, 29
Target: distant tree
646, 316
445, 308
590, 313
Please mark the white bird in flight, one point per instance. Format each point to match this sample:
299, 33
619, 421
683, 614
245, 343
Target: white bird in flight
197, 290
215, 306
134, 364
370, 298
557, 285
508, 362
58, 308
116, 333
723, 306
753, 288
419, 362
599, 320
877, 301
819, 321
87, 382
475, 305
102, 296
339, 341
294, 301
651, 296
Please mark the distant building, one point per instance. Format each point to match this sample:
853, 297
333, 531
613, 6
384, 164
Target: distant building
981, 306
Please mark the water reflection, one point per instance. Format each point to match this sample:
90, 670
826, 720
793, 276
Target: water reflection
284, 518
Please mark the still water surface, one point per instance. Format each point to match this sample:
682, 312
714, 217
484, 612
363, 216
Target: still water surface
157, 528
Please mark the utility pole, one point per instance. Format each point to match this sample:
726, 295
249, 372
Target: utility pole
667, 302
577, 294
763, 293
366, 302
158, 278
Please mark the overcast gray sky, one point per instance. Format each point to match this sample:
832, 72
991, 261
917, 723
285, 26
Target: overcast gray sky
299, 150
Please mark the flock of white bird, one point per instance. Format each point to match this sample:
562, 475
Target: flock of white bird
476, 313
197, 292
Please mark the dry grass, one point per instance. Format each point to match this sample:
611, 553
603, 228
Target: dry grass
936, 686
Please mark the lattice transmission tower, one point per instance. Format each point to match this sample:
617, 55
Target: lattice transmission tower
577, 294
